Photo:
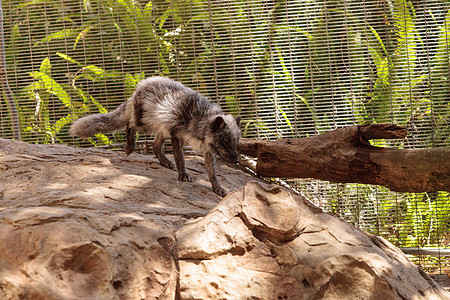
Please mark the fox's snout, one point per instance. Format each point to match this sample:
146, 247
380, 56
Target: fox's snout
232, 158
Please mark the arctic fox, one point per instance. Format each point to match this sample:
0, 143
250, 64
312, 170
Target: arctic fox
169, 109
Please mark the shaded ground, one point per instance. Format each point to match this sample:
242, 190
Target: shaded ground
442, 279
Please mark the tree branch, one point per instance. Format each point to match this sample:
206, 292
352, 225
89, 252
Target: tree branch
345, 155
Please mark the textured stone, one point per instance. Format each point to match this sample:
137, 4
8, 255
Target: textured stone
94, 224
266, 242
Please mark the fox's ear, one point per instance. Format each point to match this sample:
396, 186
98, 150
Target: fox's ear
218, 124
238, 121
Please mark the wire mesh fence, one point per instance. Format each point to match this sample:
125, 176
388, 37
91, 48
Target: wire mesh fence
290, 68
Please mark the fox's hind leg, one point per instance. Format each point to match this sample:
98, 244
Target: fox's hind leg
157, 149
131, 140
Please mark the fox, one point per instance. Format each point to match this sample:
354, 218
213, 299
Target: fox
169, 109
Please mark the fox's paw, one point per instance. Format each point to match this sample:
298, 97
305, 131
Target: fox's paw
168, 164
184, 177
219, 191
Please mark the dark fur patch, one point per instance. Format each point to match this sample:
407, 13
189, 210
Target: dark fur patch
138, 111
218, 124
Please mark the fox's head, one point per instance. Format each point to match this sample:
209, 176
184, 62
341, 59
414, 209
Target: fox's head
226, 135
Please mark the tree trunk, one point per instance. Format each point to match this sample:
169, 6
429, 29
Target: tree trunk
345, 155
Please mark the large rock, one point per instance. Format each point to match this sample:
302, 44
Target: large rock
265, 242
94, 224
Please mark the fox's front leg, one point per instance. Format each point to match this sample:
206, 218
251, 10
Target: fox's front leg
210, 163
177, 146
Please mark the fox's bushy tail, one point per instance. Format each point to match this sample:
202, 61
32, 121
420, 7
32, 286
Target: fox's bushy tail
100, 123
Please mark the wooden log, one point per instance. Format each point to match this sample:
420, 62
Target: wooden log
345, 155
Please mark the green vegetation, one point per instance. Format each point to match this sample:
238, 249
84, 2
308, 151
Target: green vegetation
290, 68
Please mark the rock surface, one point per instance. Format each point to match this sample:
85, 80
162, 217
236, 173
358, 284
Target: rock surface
265, 242
94, 224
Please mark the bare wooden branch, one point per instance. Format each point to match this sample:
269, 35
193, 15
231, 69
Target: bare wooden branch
345, 155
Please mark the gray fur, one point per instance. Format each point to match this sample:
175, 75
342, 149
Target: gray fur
100, 123
170, 110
